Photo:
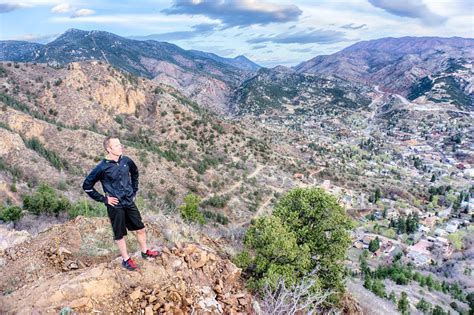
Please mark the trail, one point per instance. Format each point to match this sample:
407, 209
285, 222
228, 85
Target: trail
238, 183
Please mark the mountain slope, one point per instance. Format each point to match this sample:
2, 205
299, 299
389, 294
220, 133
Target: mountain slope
240, 62
396, 64
165, 62
179, 146
284, 91
19, 50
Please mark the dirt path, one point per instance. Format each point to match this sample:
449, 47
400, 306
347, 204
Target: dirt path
238, 183
260, 209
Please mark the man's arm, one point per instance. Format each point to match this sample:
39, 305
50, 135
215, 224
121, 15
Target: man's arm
89, 183
133, 175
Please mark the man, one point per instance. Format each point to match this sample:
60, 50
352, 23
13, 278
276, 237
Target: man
118, 175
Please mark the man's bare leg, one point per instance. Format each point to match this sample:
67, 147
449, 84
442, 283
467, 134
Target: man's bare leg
122, 246
141, 238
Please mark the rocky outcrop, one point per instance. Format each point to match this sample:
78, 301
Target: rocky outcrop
50, 272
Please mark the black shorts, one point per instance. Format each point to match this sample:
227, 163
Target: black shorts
123, 219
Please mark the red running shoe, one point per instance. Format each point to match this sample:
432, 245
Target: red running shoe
129, 264
150, 254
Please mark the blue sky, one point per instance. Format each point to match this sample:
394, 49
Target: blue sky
270, 32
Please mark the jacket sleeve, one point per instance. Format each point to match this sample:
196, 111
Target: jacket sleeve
133, 175
89, 182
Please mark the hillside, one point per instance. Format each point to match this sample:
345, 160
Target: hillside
282, 91
396, 64
54, 120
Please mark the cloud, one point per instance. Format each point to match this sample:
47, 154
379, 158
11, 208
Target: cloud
9, 7
316, 36
198, 30
353, 26
239, 13
62, 8
43, 39
301, 50
259, 46
413, 9
82, 13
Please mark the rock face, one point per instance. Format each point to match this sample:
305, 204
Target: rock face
51, 272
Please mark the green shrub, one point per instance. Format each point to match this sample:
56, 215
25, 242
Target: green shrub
11, 213
216, 201
45, 200
218, 217
86, 209
271, 253
119, 120
190, 209
423, 306
51, 156
319, 222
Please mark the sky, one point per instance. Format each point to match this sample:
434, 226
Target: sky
270, 32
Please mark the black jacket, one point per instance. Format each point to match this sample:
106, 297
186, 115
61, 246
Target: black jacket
119, 179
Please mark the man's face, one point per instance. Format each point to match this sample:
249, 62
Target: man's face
115, 147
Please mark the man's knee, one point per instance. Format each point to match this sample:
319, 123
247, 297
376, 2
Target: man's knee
141, 231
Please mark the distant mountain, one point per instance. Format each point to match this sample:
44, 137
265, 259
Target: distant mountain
207, 79
240, 62
282, 90
396, 64
19, 51
131, 55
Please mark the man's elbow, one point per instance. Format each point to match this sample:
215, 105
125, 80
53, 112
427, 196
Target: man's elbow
86, 187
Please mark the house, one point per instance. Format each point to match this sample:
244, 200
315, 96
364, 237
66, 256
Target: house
469, 173
419, 253
445, 213
440, 232
423, 229
452, 227
441, 241
443, 244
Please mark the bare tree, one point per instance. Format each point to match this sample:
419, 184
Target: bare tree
300, 298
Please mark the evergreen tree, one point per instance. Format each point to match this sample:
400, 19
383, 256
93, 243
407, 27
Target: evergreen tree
374, 245
377, 194
318, 221
423, 306
404, 304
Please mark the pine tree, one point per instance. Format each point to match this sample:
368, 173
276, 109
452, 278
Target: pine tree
404, 304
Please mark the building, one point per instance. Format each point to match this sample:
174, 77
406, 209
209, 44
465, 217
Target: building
451, 227
419, 253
